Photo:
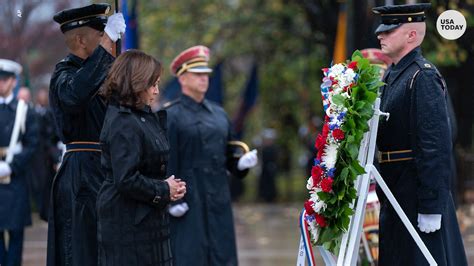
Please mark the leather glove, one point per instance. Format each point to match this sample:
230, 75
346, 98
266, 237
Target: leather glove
5, 169
178, 210
115, 26
248, 160
429, 223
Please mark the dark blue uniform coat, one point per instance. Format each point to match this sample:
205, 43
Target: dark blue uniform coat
418, 121
198, 135
15, 212
133, 221
79, 114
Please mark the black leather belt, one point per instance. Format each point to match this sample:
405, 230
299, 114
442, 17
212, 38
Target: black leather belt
76, 146
395, 156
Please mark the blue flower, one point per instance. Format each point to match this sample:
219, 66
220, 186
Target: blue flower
316, 162
341, 116
331, 172
333, 126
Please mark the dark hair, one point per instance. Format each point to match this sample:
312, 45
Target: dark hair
131, 73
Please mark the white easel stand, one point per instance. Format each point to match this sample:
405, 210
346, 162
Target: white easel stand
349, 251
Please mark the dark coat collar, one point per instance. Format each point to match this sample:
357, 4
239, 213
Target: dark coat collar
405, 62
195, 106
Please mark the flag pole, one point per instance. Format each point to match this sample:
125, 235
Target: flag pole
118, 44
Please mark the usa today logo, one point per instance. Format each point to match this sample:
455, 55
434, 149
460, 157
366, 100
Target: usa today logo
451, 24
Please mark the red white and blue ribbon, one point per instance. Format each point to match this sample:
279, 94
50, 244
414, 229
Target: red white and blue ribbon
305, 249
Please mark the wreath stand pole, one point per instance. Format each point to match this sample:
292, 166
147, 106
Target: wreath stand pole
348, 254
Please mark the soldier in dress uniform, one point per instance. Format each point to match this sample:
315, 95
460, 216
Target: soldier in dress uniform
79, 114
202, 150
18, 140
415, 146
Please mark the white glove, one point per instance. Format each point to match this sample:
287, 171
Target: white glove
178, 210
248, 160
115, 26
5, 169
429, 223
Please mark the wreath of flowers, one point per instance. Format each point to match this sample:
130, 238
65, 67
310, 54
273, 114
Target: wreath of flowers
348, 93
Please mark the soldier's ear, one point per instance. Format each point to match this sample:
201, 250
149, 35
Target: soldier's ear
412, 36
81, 40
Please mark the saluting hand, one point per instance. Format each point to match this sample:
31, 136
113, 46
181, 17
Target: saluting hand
115, 26
177, 188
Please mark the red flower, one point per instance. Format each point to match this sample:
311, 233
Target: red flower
326, 184
352, 65
338, 134
308, 206
326, 119
320, 142
320, 220
325, 70
325, 130
316, 174
320, 154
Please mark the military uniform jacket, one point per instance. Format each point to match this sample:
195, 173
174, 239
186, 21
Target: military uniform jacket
133, 221
79, 114
15, 210
415, 97
198, 135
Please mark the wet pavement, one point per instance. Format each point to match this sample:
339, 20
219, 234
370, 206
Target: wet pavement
266, 235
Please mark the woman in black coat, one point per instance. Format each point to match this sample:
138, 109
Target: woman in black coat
133, 223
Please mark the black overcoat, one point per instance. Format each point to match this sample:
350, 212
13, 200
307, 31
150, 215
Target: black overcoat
15, 211
79, 114
419, 122
198, 135
133, 222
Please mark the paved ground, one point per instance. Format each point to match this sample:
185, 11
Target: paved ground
266, 235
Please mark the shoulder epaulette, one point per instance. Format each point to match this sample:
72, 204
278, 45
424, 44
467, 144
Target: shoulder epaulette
168, 104
425, 64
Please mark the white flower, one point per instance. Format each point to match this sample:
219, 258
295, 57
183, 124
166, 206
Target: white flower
330, 155
313, 196
313, 228
319, 206
336, 70
345, 95
309, 184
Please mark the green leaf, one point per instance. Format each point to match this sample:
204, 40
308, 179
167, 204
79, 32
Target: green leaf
323, 196
371, 96
350, 139
353, 150
340, 194
344, 173
338, 100
327, 234
360, 170
356, 55
350, 122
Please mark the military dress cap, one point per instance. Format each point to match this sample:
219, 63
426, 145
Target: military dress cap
9, 68
394, 16
94, 16
194, 59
